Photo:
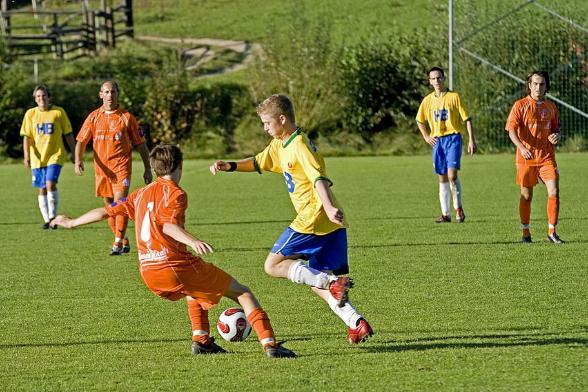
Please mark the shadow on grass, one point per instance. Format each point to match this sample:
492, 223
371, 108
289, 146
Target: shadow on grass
476, 341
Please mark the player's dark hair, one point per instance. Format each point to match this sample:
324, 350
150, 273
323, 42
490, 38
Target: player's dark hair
276, 105
436, 69
165, 159
540, 73
43, 88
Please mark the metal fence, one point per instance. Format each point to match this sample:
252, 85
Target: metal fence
494, 44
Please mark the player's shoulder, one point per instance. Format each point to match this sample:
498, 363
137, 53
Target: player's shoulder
31, 111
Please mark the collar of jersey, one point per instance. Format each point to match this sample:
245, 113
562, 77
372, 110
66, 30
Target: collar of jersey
297, 132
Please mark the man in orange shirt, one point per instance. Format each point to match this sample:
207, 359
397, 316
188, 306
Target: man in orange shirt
114, 132
168, 269
533, 127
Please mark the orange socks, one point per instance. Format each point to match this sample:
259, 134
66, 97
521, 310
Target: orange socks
199, 321
552, 212
112, 224
261, 325
121, 226
525, 211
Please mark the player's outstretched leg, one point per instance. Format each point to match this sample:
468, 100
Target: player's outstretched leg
258, 319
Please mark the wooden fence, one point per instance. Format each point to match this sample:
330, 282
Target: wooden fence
65, 34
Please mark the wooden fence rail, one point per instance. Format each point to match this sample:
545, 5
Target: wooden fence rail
64, 34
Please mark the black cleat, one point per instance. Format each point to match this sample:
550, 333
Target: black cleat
278, 351
554, 239
210, 348
526, 239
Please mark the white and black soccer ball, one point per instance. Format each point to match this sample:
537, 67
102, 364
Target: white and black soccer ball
233, 326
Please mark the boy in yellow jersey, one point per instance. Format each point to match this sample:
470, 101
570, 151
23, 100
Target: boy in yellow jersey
318, 232
43, 130
447, 118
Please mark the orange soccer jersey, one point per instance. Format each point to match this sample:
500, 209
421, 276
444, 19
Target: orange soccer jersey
167, 267
113, 135
533, 121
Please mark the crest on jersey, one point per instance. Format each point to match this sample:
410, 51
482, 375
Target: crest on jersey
289, 165
118, 136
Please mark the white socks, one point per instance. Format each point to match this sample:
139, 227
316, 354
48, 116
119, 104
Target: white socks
52, 202
347, 312
302, 274
444, 194
456, 193
43, 207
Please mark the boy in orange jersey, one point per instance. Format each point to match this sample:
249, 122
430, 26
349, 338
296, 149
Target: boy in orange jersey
168, 269
533, 127
114, 132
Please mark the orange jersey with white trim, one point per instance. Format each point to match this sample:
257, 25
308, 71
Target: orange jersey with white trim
113, 136
533, 121
160, 202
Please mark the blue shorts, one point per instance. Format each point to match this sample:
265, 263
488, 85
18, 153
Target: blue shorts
447, 153
43, 174
323, 252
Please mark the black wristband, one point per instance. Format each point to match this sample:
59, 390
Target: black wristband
233, 166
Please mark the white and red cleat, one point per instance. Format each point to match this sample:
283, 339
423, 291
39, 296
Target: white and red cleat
360, 333
339, 289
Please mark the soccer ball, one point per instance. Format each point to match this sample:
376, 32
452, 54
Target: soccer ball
233, 326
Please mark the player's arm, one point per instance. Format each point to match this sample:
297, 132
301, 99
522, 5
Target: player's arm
425, 134
26, 144
144, 152
244, 165
80, 150
179, 234
324, 193
91, 216
525, 152
72, 146
472, 146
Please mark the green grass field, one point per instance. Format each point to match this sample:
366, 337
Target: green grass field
454, 307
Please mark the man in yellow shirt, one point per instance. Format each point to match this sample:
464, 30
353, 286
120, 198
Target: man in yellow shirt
318, 232
447, 119
43, 130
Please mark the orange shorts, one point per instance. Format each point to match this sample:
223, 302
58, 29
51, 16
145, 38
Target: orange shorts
108, 186
204, 282
528, 176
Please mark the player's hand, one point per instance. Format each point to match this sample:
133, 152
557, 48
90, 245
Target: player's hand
554, 138
79, 168
430, 140
27, 162
472, 148
61, 220
219, 166
526, 153
148, 176
201, 247
335, 215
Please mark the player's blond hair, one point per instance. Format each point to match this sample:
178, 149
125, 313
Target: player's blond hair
165, 159
276, 105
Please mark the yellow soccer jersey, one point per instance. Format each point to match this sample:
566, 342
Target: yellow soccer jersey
45, 129
445, 115
301, 166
